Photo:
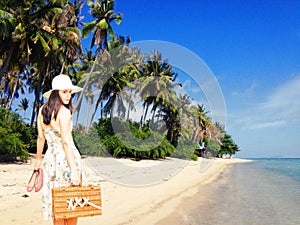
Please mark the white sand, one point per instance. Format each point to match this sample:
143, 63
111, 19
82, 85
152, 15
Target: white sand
122, 204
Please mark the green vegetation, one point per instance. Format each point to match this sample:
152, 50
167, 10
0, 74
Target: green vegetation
228, 146
15, 136
40, 39
133, 144
88, 143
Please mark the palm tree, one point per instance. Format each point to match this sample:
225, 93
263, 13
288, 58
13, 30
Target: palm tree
87, 61
22, 31
103, 11
203, 124
8, 26
186, 115
40, 35
159, 90
23, 105
157, 83
217, 132
172, 119
61, 39
117, 69
14, 84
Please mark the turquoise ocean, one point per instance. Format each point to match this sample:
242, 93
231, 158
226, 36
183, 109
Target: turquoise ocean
261, 192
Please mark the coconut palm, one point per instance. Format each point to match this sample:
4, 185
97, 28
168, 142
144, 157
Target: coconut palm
62, 40
157, 85
103, 11
23, 105
101, 27
203, 124
117, 68
217, 132
14, 84
186, 116
23, 32
42, 35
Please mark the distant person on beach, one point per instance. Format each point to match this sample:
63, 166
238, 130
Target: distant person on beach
201, 145
202, 149
62, 161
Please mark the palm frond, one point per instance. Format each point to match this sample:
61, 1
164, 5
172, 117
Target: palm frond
88, 28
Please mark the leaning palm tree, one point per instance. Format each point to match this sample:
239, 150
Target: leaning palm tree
14, 84
103, 12
117, 71
203, 124
217, 132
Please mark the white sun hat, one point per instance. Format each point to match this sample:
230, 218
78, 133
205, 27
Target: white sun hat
62, 82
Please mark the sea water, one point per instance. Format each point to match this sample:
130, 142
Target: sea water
262, 192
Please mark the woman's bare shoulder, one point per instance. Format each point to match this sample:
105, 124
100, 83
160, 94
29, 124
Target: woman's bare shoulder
64, 113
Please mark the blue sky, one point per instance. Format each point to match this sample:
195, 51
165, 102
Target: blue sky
252, 48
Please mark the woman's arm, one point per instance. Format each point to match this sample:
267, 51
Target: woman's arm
65, 117
40, 141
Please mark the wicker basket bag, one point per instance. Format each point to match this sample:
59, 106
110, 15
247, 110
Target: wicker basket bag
76, 201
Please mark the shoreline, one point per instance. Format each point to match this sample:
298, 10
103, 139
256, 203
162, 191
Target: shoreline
121, 204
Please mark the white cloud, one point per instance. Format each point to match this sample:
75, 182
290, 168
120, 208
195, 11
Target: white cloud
282, 107
191, 88
267, 124
285, 101
246, 92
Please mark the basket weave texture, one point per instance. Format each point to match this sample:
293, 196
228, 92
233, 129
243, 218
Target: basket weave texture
76, 201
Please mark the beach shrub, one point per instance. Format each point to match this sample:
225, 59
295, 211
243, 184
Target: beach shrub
194, 157
15, 136
212, 148
184, 149
130, 141
88, 143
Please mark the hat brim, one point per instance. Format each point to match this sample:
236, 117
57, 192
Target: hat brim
74, 89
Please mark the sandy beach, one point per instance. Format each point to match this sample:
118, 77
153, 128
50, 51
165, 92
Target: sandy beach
122, 204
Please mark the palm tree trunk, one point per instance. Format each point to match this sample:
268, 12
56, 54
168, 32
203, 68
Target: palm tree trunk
152, 119
4, 67
85, 85
13, 93
87, 115
146, 112
196, 134
141, 122
36, 104
62, 68
77, 116
95, 110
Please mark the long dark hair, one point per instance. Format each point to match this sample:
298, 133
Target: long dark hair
52, 107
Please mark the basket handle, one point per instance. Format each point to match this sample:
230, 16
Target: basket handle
78, 203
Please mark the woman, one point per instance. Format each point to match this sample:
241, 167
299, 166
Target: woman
62, 161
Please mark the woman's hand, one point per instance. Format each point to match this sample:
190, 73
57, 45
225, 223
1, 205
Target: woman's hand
75, 178
37, 164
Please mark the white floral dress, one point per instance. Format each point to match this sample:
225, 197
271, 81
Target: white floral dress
56, 169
